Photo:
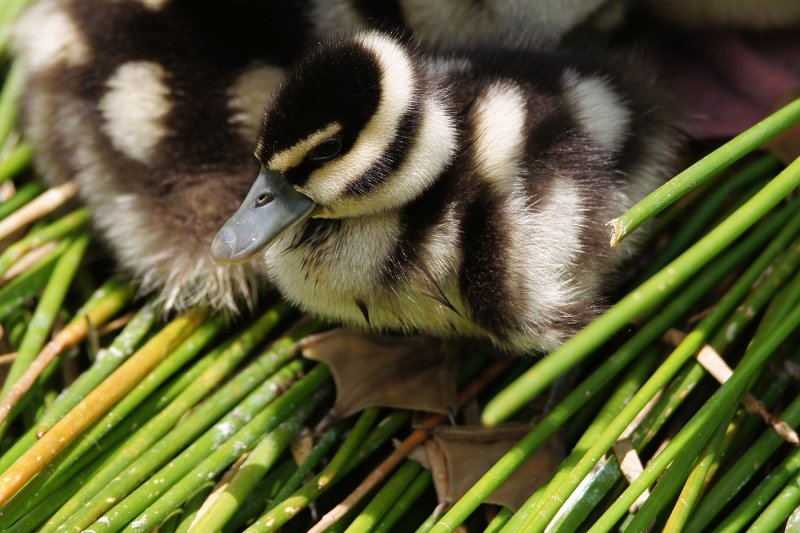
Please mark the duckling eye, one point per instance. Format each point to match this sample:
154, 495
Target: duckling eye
263, 199
327, 150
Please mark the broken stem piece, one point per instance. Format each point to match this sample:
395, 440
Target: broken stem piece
704, 170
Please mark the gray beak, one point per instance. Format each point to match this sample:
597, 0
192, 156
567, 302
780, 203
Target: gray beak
271, 207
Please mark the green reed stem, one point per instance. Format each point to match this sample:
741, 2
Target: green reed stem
9, 98
295, 404
24, 194
16, 161
43, 318
122, 347
705, 169
670, 367
698, 430
97, 403
688, 471
386, 497
403, 502
150, 436
762, 495
23, 287
776, 513
679, 306
108, 431
253, 470
700, 219
58, 229
285, 510
267, 490
645, 298
632, 381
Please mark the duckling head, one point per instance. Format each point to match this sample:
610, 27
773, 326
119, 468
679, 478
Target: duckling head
356, 130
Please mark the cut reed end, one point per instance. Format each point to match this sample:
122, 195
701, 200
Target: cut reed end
617, 232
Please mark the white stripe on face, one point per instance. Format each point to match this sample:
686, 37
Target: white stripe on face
294, 155
430, 151
396, 97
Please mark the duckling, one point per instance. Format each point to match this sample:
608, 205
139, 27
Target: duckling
455, 195
152, 106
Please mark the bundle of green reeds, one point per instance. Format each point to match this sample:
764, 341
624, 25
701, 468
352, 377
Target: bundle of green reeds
111, 418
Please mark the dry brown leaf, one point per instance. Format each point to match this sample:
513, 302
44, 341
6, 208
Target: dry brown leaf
466, 453
374, 371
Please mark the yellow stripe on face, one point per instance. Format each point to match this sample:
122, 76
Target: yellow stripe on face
294, 155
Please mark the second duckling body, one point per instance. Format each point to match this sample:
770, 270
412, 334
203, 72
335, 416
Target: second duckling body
458, 195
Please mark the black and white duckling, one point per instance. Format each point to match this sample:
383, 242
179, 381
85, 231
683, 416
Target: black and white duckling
152, 107
461, 195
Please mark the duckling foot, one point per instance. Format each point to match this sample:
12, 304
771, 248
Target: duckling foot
380, 371
458, 456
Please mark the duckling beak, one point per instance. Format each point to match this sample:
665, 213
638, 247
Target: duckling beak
271, 207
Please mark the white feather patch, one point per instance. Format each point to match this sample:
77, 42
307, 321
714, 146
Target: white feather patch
328, 279
248, 96
134, 108
47, 36
543, 247
601, 113
499, 135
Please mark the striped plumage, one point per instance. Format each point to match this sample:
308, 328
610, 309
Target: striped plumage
469, 193
152, 107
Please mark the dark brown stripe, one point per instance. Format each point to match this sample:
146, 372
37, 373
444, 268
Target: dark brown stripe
416, 220
391, 160
484, 269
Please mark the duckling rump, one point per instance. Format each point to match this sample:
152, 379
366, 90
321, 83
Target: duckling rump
460, 194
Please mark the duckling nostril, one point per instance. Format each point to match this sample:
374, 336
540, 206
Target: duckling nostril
263, 199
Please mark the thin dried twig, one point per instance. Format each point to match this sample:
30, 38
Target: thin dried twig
417, 437
116, 324
28, 260
40, 206
716, 366
7, 358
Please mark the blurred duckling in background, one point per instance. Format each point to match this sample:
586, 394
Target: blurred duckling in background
152, 108
455, 195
